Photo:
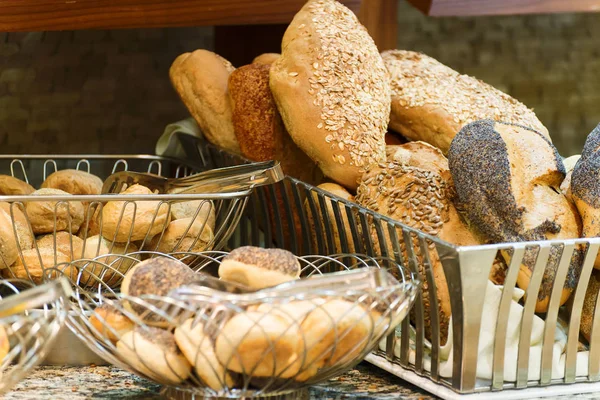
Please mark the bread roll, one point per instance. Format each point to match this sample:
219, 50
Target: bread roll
29, 267
154, 353
11, 186
110, 323
258, 268
24, 235
91, 225
8, 242
200, 79
332, 90
266, 58
431, 102
202, 210
184, 235
4, 344
258, 344
133, 221
199, 349
64, 242
74, 181
49, 216
508, 176
97, 246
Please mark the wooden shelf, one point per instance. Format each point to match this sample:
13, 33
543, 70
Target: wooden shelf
441, 8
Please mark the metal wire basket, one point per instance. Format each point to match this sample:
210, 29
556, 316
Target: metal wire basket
269, 342
52, 229
318, 222
30, 319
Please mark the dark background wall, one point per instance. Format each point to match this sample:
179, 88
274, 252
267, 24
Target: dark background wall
108, 91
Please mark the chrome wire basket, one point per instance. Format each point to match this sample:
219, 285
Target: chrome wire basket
494, 340
30, 319
41, 231
264, 343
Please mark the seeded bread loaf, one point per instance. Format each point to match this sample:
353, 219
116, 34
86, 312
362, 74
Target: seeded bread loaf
200, 79
332, 90
432, 102
508, 177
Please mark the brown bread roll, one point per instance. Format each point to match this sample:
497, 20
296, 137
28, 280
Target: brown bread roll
8, 242
11, 186
183, 235
421, 155
48, 216
431, 102
200, 79
64, 242
28, 266
508, 176
16, 216
110, 323
332, 90
266, 58
74, 181
97, 246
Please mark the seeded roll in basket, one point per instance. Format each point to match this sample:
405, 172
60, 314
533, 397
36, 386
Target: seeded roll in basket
332, 90
432, 102
508, 177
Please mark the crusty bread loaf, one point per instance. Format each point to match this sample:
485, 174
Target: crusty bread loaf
74, 181
332, 90
421, 155
266, 58
431, 102
184, 235
11, 186
508, 176
200, 79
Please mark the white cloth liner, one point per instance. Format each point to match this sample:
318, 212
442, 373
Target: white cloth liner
168, 145
486, 343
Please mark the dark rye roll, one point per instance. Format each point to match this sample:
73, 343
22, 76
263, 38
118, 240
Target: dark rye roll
259, 268
508, 177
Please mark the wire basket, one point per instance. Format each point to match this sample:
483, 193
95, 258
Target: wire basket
46, 230
30, 319
490, 344
269, 342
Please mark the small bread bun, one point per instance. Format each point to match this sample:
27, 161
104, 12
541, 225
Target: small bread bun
8, 242
259, 268
184, 235
266, 58
108, 320
97, 246
34, 271
4, 343
204, 210
17, 217
156, 276
260, 344
154, 352
11, 186
91, 223
42, 214
199, 350
64, 242
74, 181
124, 222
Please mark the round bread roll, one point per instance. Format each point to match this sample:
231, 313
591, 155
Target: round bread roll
266, 58
8, 242
24, 234
260, 344
155, 276
97, 246
199, 349
110, 323
203, 210
154, 353
64, 242
50, 216
74, 181
28, 266
258, 268
200, 79
431, 102
91, 225
11, 186
123, 222
508, 176
332, 90
184, 235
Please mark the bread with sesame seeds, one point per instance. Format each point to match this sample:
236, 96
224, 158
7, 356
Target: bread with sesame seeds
432, 102
508, 176
200, 78
332, 90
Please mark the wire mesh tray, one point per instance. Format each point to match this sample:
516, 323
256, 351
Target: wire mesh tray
41, 231
30, 319
271, 342
490, 346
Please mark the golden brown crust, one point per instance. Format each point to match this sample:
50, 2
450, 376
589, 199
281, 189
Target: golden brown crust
10, 186
332, 90
589, 305
8, 243
64, 242
200, 79
266, 58
107, 316
16, 216
183, 235
74, 182
29, 266
431, 102
42, 214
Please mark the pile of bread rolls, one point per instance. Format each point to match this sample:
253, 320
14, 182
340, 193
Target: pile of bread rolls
38, 234
480, 166
249, 342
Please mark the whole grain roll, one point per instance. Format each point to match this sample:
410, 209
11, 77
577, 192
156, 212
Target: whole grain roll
508, 176
200, 79
432, 102
332, 90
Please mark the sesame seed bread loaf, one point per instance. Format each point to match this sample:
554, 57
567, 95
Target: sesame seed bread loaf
508, 176
200, 79
332, 90
432, 102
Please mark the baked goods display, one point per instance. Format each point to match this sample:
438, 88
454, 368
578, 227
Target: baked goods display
74, 181
11, 186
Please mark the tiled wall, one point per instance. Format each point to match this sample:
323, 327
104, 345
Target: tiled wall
108, 91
